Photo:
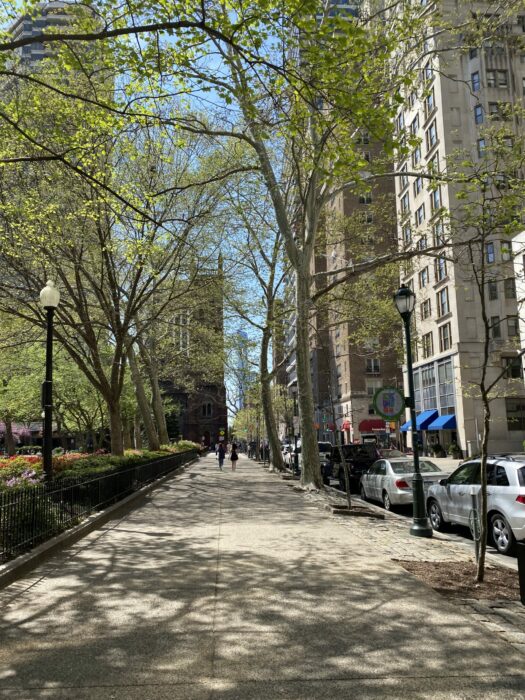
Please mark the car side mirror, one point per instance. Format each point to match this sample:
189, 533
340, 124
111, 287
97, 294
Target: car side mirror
443, 482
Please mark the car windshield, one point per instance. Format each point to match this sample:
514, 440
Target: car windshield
325, 447
407, 467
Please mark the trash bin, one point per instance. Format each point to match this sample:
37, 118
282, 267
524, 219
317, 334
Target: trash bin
520, 550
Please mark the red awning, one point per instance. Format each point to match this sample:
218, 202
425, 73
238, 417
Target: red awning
372, 424
346, 425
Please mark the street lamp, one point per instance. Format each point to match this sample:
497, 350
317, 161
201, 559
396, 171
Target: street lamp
405, 300
49, 298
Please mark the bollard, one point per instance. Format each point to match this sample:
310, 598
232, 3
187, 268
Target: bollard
520, 551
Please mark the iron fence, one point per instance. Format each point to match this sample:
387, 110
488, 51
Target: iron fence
31, 516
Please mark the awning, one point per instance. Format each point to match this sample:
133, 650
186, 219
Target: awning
370, 425
423, 420
444, 423
346, 425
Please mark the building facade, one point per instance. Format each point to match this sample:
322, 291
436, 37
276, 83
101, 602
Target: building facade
460, 92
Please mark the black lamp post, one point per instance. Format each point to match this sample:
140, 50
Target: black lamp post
49, 298
405, 300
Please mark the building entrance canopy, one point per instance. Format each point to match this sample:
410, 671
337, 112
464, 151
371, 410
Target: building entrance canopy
423, 420
447, 422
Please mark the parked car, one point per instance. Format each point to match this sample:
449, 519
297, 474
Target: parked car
390, 480
325, 449
359, 459
450, 500
389, 452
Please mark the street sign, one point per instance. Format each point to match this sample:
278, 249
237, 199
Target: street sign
389, 402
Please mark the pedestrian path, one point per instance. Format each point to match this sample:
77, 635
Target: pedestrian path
232, 585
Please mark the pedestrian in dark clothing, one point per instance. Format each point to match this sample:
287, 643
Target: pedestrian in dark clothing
221, 454
234, 456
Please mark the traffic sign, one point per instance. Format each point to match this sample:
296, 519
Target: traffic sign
389, 402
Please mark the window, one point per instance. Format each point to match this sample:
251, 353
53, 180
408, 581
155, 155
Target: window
440, 268
505, 250
446, 387
420, 215
445, 337
425, 309
466, 474
433, 164
481, 147
523, 85
492, 287
515, 414
435, 199
490, 255
520, 21
431, 136
405, 203
442, 302
500, 477
427, 345
513, 326
503, 78
428, 387
495, 326
509, 285
207, 410
422, 243
491, 78
474, 79
472, 53
404, 177
400, 121
363, 138
407, 234
418, 185
416, 156
412, 99
181, 333
428, 73
373, 365
365, 199
478, 114
513, 367
430, 103
414, 126
423, 278
438, 234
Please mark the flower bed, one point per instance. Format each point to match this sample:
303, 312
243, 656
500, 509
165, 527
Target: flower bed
26, 471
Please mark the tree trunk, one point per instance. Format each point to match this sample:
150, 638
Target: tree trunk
115, 427
126, 434
150, 363
267, 406
311, 471
149, 426
9, 438
480, 569
137, 431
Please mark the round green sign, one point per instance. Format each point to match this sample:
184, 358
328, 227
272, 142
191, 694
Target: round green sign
389, 402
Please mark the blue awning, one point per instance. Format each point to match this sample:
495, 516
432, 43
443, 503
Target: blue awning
444, 423
422, 421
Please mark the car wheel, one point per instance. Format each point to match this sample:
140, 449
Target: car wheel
386, 501
501, 534
436, 516
363, 493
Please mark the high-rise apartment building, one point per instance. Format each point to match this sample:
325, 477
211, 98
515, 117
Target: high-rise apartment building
460, 92
51, 15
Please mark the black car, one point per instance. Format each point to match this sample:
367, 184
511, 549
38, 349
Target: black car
359, 459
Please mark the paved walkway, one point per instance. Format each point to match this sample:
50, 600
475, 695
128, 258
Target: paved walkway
227, 586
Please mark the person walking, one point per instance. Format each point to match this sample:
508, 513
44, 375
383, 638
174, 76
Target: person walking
221, 454
234, 456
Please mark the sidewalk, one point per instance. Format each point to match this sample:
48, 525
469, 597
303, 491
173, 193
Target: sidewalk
226, 586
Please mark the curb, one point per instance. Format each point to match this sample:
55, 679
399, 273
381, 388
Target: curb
16, 568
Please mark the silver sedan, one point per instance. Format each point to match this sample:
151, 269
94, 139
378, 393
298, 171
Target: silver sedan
390, 480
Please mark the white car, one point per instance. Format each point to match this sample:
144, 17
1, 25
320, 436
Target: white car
450, 500
390, 480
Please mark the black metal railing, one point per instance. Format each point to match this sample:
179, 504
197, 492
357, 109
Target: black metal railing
31, 516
